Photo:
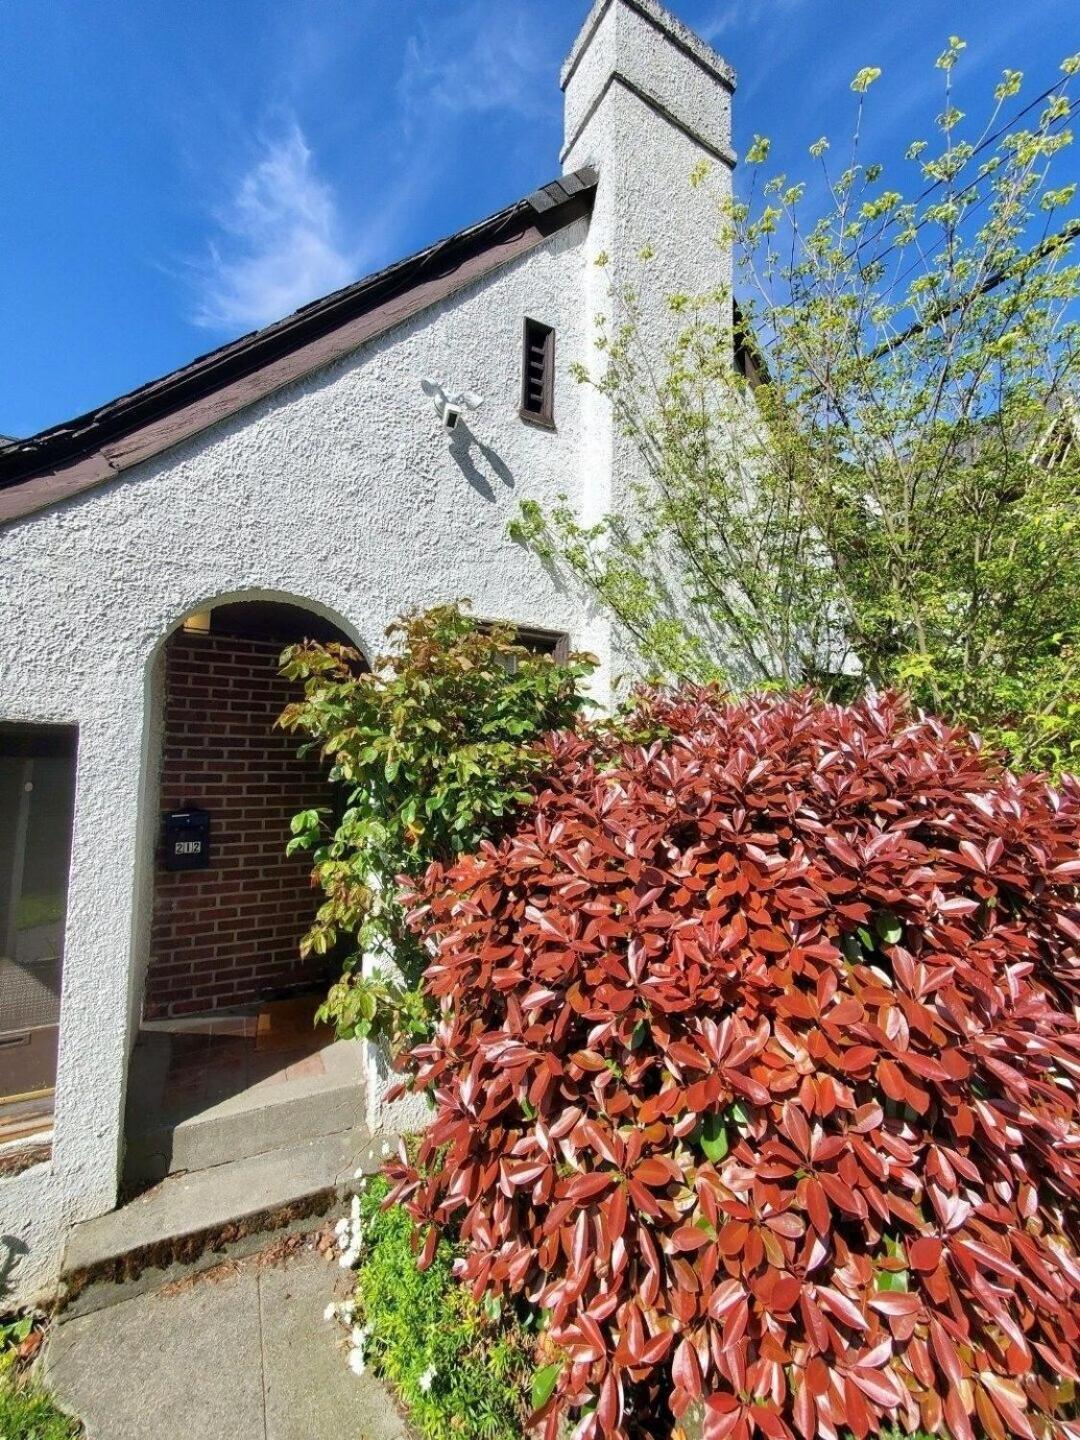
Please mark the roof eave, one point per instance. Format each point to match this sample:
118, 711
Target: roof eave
72, 457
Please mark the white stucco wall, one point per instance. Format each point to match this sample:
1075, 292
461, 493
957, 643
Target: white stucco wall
341, 493
645, 103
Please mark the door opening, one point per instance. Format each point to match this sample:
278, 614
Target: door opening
37, 804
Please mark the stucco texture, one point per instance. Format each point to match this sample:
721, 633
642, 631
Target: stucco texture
342, 493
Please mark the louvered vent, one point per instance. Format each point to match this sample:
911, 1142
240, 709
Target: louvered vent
538, 374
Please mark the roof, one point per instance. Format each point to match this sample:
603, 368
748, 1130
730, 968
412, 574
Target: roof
78, 454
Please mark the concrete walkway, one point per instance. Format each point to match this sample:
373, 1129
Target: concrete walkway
237, 1353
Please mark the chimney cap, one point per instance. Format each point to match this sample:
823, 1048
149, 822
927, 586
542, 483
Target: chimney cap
661, 19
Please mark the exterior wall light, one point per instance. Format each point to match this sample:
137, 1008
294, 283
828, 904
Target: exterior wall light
451, 408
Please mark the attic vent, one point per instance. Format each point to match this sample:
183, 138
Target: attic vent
538, 374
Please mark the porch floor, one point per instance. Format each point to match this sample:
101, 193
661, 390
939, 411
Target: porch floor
211, 1089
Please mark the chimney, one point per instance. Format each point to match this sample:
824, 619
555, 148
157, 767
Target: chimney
645, 102
631, 57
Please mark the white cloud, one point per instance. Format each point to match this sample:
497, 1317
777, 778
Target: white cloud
717, 25
489, 56
279, 242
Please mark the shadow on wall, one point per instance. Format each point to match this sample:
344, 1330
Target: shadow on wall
12, 1252
462, 445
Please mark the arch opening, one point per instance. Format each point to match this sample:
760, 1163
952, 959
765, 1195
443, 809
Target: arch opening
228, 1000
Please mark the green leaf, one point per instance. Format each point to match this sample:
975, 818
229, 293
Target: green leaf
543, 1384
888, 928
714, 1141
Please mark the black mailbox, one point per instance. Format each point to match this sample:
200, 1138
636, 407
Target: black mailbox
187, 839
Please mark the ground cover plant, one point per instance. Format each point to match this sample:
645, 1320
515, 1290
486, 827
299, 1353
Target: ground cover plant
756, 1074
26, 1411
462, 1369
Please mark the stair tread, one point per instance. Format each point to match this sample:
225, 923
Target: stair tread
204, 1200
342, 1073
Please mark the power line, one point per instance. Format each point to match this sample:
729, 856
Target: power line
936, 184
961, 192
982, 145
1051, 244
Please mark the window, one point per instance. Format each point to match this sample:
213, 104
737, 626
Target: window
37, 801
538, 374
555, 643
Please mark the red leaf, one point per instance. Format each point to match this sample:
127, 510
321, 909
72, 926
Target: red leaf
686, 1369
924, 1254
656, 1172
689, 1237
587, 1187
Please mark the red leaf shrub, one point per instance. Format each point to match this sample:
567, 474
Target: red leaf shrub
757, 1068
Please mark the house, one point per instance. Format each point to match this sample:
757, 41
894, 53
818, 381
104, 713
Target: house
312, 478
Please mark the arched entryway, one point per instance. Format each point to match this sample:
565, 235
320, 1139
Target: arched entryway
228, 1000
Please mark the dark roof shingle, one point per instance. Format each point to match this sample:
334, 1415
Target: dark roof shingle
74, 456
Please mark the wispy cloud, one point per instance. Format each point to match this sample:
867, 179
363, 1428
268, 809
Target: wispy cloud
279, 241
489, 56
723, 19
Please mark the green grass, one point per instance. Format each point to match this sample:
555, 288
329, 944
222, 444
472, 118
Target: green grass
426, 1322
27, 1413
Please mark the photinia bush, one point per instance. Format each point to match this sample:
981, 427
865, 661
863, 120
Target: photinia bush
756, 1070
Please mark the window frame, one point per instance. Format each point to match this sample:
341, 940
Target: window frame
534, 638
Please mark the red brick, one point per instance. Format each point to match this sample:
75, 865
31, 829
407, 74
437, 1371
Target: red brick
229, 934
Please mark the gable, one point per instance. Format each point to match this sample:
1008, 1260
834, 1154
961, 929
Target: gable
73, 457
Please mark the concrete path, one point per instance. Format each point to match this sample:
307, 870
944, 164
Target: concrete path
237, 1353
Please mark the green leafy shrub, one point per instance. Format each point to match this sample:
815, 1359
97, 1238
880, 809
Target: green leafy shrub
463, 1371
435, 749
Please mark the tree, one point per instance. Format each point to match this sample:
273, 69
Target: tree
883, 487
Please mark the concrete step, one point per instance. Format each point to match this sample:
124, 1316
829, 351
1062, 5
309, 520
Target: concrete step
243, 1121
191, 1222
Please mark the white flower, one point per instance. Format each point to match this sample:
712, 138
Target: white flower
330, 1313
341, 1228
348, 1258
348, 1309
360, 1335
354, 1209
426, 1379
357, 1363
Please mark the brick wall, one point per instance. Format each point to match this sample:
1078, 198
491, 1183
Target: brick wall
228, 934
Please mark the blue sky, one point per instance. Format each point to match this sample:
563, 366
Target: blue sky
175, 174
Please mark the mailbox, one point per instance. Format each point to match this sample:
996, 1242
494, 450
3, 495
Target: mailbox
187, 839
